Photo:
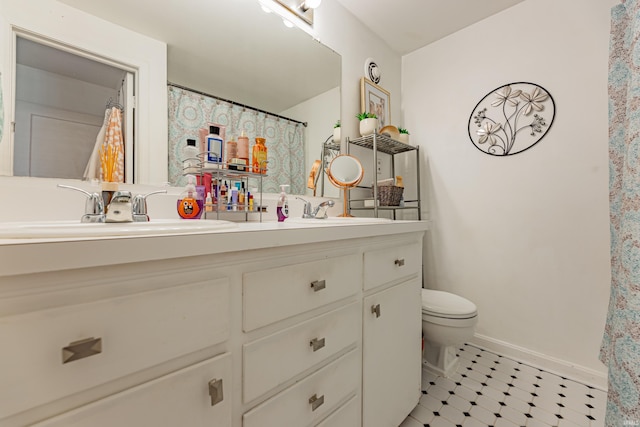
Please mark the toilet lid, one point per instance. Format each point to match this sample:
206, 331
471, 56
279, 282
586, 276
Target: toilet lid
445, 304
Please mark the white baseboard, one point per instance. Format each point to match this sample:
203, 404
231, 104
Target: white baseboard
554, 365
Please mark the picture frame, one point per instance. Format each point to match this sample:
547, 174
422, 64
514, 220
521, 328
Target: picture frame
375, 99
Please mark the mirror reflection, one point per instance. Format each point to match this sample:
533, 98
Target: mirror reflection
234, 50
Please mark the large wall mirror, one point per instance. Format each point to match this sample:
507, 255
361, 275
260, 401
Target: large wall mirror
234, 50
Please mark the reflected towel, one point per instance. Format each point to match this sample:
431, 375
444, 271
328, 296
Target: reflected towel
113, 149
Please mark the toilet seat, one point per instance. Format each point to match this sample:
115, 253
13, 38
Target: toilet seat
447, 305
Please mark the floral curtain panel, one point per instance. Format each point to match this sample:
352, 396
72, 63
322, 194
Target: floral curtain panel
190, 111
620, 349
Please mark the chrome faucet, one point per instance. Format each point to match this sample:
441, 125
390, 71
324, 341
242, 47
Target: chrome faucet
94, 206
320, 212
139, 206
119, 208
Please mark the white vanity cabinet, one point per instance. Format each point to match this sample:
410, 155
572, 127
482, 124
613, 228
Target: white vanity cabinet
320, 328
391, 341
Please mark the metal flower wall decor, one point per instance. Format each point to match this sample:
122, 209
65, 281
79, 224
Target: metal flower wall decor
511, 119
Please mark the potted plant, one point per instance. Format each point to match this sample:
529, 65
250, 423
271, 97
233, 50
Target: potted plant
368, 123
404, 135
336, 132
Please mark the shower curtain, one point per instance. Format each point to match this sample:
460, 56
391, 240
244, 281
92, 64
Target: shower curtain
620, 349
190, 111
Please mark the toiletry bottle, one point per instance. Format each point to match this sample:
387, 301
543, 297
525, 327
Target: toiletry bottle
250, 202
232, 151
208, 203
223, 193
243, 148
234, 199
215, 147
283, 204
189, 206
190, 157
242, 198
259, 156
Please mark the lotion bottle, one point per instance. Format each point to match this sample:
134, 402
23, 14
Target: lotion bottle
283, 204
215, 147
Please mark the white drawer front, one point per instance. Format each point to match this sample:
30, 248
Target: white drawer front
178, 399
136, 331
295, 405
385, 265
348, 415
273, 360
278, 293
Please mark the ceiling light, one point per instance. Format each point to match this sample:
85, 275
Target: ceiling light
309, 4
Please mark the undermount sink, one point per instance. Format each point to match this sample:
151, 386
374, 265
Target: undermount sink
334, 220
67, 229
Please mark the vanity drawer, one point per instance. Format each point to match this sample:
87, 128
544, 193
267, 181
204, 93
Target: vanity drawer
105, 339
279, 293
273, 360
311, 399
348, 415
392, 263
178, 399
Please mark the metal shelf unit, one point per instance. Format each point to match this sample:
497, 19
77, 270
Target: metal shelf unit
384, 144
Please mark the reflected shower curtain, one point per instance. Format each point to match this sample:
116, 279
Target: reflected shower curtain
620, 349
190, 111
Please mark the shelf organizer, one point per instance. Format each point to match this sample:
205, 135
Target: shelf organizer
384, 144
221, 172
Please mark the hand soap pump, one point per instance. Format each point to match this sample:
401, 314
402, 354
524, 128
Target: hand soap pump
283, 204
190, 204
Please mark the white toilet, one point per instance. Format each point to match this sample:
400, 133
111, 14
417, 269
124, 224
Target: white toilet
448, 321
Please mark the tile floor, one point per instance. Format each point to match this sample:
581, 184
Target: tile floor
492, 390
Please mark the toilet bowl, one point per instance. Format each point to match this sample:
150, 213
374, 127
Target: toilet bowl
448, 321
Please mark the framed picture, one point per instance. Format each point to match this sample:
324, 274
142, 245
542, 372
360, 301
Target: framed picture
376, 100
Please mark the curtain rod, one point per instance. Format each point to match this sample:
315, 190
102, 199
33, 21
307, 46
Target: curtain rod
236, 103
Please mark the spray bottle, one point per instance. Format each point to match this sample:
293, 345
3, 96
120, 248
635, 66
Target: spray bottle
283, 204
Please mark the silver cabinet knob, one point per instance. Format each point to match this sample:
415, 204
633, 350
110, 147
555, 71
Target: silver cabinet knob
80, 349
317, 343
375, 309
316, 401
216, 391
399, 262
318, 285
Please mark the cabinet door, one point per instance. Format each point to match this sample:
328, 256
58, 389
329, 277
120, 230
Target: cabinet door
392, 337
196, 396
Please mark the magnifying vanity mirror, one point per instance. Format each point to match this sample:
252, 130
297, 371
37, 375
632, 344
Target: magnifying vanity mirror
228, 48
345, 172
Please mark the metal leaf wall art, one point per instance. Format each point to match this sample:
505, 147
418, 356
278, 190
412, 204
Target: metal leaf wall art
511, 119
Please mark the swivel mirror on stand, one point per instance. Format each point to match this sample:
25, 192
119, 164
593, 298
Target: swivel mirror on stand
345, 172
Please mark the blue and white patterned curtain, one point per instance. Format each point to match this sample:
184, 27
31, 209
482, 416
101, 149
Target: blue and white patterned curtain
190, 111
620, 349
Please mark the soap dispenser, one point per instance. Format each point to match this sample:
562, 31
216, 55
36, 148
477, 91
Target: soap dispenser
190, 203
283, 204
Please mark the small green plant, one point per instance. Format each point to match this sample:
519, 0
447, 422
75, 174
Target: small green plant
362, 116
403, 130
337, 125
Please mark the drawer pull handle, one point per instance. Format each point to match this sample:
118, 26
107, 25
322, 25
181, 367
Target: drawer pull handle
316, 401
215, 391
80, 349
317, 344
318, 285
399, 262
375, 309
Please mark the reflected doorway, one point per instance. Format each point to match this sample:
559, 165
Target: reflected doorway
61, 97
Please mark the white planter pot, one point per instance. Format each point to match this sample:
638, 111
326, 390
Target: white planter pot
404, 138
336, 135
368, 126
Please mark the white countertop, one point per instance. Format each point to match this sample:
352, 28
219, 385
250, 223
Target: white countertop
22, 256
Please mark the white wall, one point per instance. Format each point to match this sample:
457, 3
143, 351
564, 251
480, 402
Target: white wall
525, 237
323, 110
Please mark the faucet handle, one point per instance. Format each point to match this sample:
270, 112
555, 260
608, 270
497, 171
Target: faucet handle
307, 208
139, 207
94, 205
